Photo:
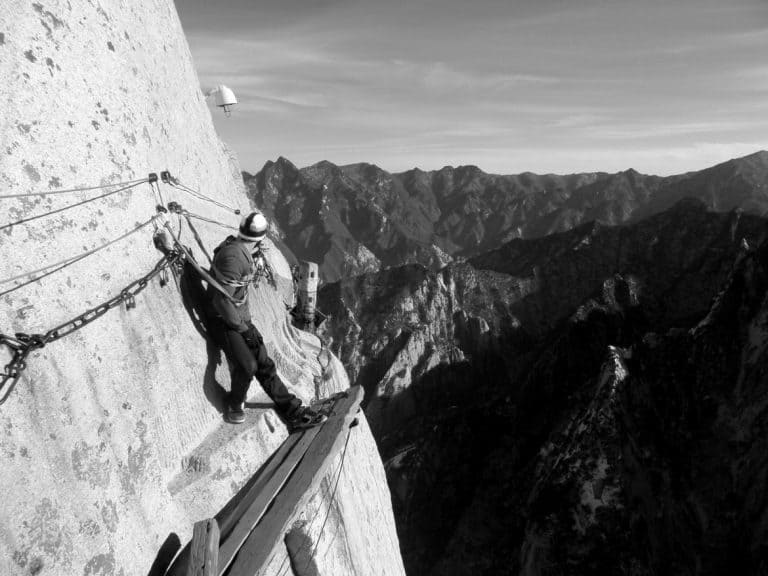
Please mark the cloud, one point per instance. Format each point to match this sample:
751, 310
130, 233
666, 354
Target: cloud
502, 84
662, 130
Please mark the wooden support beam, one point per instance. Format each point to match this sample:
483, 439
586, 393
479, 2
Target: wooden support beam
229, 519
204, 554
229, 516
242, 526
268, 534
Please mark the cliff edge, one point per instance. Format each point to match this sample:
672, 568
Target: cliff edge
113, 442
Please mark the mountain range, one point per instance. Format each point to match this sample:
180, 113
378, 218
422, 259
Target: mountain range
582, 403
359, 218
553, 365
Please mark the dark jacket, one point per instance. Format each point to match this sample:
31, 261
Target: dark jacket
233, 268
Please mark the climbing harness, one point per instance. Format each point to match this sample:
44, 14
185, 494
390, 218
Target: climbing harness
23, 344
262, 267
69, 206
200, 270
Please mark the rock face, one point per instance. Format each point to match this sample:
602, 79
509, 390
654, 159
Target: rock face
358, 218
113, 442
527, 428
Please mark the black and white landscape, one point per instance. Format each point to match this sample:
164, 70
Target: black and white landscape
564, 374
540, 337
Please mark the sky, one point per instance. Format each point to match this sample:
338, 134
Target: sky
547, 86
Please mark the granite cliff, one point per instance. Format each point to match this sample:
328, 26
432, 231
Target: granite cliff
113, 443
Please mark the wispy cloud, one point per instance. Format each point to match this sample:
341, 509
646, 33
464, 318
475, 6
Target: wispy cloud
431, 82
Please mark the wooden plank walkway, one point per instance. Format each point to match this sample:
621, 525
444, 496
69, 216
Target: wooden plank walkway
203, 558
269, 532
255, 525
263, 494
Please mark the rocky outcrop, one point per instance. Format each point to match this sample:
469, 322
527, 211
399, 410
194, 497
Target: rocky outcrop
358, 218
113, 443
513, 452
392, 327
663, 471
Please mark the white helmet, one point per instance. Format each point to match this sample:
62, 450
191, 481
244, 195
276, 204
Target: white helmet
253, 227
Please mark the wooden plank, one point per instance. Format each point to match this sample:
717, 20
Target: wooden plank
227, 519
266, 536
204, 555
243, 526
228, 522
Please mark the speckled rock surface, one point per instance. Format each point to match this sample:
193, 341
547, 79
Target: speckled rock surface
113, 441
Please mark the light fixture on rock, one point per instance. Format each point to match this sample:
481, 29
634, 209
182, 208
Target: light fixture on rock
225, 98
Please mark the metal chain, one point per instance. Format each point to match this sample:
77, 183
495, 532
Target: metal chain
23, 344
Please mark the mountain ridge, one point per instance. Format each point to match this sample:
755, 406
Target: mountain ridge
356, 218
474, 371
759, 155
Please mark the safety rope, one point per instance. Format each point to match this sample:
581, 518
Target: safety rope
197, 237
53, 268
262, 267
200, 270
175, 183
23, 344
209, 220
327, 514
81, 189
70, 206
158, 193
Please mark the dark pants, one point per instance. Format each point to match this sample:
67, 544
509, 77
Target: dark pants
245, 362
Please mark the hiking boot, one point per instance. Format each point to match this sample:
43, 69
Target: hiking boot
235, 413
305, 417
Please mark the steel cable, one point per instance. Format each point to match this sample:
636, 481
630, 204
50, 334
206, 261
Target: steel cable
82, 189
158, 193
200, 196
70, 206
66, 262
197, 238
209, 220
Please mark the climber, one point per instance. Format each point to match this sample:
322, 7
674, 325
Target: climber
231, 328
